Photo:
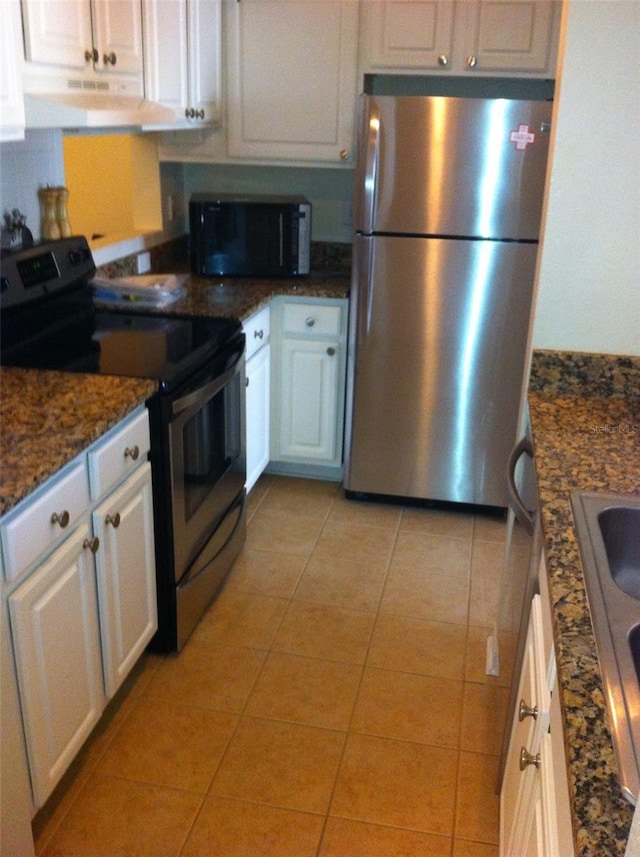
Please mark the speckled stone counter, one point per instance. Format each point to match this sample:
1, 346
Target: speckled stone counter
585, 418
235, 298
47, 418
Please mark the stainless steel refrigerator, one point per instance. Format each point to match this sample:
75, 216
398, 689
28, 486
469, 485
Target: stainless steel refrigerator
447, 215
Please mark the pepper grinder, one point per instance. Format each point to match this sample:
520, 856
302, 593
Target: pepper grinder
49, 228
62, 217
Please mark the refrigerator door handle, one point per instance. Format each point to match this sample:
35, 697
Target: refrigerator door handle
521, 512
372, 154
365, 286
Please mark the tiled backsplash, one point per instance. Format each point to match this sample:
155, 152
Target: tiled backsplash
25, 166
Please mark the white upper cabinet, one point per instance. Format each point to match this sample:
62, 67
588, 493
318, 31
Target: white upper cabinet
103, 37
512, 36
292, 80
482, 37
406, 35
183, 58
11, 100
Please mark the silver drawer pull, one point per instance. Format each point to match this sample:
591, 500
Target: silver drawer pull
310, 321
527, 759
258, 334
132, 452
62, 519
93, 544
525, 710
114, 520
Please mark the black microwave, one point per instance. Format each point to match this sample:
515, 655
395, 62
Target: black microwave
249, 236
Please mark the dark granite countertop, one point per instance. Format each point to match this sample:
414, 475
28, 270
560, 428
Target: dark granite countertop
47, 418
585, 418
235, 298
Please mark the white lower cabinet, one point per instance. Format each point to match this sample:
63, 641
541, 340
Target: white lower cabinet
258, 394
309, 362
534, 801
56, 638
81, 597
125, 567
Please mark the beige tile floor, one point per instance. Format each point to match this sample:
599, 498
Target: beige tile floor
331, 703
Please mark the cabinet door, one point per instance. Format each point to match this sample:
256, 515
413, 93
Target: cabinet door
308, 389
204, 60
520, 821
11, 101
407, 34
54, 616
58, 32
511, 35
165, 42
258, 412
126, 575
117, 35
292, 80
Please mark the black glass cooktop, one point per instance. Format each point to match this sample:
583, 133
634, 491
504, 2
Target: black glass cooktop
163, 348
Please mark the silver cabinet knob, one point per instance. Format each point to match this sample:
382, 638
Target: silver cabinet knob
60, 518
331, 351
132, 452
527, 759
310, 321
93, 544
443, 60
472, 61
114, 520
109, 59
525, 710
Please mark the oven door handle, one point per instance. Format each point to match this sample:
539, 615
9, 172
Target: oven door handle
203, 394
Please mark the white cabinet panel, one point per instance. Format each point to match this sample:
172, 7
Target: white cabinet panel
258, 410
117, 35
125, 566
415, 34
292, 80
183, 58
56, 640
309, 365
118, 454
478, 37
308, 381
36, 526
512, 35
11, 61
57, 32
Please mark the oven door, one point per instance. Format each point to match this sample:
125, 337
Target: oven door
206, 442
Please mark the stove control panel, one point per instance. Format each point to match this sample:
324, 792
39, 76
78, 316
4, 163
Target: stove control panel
48, 268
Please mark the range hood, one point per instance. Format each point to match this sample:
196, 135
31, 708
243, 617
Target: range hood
91, 104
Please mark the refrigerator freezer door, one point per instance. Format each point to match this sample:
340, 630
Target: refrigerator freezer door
437, 351
452, 166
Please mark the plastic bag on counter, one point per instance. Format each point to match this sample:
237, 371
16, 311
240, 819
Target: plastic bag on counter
153, 290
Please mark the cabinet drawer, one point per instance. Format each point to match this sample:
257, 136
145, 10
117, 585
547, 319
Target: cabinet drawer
30, 533
311, 320
257, 330
118, 454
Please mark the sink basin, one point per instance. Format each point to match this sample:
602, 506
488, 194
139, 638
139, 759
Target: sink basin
620, 529
607, 527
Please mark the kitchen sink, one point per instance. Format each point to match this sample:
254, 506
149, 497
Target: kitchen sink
620, 529
607, 527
